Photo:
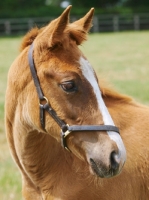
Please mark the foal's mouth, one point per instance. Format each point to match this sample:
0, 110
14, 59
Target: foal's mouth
96, 169
101, 171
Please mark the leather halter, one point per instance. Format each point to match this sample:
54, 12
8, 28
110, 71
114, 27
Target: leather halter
65, 128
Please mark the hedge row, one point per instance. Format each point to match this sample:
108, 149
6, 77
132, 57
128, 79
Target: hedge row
45, 11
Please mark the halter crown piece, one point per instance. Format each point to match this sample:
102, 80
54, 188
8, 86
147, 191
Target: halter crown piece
65, 128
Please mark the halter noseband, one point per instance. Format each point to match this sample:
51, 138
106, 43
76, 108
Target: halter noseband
45, 106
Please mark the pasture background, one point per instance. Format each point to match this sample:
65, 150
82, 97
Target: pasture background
120, 58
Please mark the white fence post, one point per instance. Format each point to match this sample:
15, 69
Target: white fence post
95, 24
7, 27
136, 22
73, 19
30, 23
115, 23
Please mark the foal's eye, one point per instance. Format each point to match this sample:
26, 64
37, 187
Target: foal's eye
69, 86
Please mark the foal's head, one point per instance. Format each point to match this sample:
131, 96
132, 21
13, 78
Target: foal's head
70, 84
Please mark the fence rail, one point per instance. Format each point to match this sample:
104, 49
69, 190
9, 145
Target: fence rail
102, 23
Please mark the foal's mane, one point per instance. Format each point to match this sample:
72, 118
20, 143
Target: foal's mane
29, 38
109, 93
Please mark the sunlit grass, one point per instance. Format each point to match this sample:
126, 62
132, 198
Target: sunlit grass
10, 179
120, 58
8, 51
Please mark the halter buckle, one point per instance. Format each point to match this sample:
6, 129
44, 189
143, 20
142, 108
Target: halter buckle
64, 133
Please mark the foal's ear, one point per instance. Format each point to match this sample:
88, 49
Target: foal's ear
86, 21
80, 28
59, 26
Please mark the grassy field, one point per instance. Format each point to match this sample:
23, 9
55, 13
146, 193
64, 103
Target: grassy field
120, 58
10, 179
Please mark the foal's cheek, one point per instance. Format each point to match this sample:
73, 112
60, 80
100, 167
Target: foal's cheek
75, 146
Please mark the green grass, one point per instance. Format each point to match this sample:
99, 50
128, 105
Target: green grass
10, 179
120, 58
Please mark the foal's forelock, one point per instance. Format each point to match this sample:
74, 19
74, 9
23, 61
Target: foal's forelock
89, 74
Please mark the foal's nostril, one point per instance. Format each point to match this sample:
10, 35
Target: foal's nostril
114, 161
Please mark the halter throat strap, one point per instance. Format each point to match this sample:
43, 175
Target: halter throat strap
45, 106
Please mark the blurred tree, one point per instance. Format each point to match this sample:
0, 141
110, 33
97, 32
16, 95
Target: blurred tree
94, 3
76, 3
84, 3
137, 3
35, 7
53, 2
20, 3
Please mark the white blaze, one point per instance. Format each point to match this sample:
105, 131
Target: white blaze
88, 73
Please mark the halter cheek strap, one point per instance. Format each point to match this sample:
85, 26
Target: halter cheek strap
45, 106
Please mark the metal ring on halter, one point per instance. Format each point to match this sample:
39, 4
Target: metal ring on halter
44, 99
